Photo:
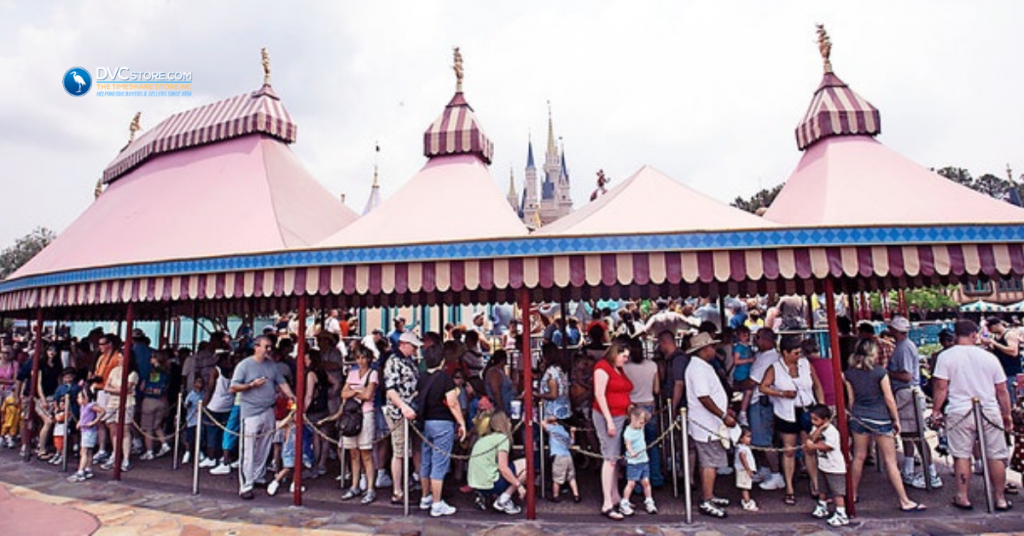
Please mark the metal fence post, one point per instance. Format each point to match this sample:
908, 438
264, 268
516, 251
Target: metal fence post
177, 435
672, 461
687, 499
195, 457
978, 423
405, 466
926, 451
67, 434
543, 458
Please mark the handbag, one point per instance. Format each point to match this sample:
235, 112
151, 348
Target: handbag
350, 424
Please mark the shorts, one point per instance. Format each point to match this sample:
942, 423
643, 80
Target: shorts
89, 438
801, 424
907, 412
563, 470
110, 417
435, 457
962, 437
741, 373
363, 441
154, 413
398, 440
381, 428
711, 454
762, 424
611, 447
743, 480
637, 472
229, 441
835, 483
871, 427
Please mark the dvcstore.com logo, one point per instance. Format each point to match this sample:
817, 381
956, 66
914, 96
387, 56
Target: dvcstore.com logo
77, 81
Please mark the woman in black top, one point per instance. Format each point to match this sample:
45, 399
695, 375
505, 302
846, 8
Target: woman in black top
439, 411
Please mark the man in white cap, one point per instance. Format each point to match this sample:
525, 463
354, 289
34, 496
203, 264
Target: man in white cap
483, 346
400, 377
708, 406
904, 374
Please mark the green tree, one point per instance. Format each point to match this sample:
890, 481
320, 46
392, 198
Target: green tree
925, 299
957, 175
992, 185
761, 199
23, 250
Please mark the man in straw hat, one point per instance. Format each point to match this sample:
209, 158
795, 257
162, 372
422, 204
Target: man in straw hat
708, 412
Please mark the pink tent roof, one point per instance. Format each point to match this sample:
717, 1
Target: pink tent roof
244, 193
453, 198
651, 202
846, 178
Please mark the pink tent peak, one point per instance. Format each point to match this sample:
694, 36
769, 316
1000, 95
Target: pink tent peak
651, 202
249, 194
453, 198
855, 180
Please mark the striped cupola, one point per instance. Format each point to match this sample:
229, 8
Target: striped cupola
457, 131
835, 110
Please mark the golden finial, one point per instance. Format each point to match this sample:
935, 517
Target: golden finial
266, 66
376, 148
134, 127
825, 47
458, 69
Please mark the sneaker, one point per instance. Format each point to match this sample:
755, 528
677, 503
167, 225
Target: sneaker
915, 481
369, 497
108, 465
441, 508
935, 480
426, 502
234, 464
383, 480
321, 471
773, 482
188, 458
56, 460
625, 508
291, 489
221, 469
762, 474
88, 474
147, 456
749, 506
272, 488
247, 495
508, 507
126, 466
650, 506
207, 463
352, 493
77, 477
742, 419
164, 450
480, 503
709, 509
838, 520
720, 502
820, 511
100, 457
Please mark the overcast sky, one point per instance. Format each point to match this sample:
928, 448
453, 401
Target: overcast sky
707, 92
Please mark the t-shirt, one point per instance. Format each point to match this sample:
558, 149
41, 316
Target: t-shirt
904, 359
560, 440
400, 375
617, 390
192, 407
1011, 363
483, 468
256, 400
972, 372
89, 415
761, 363
634, 437
559, 407
435, 406
679, 361
358, 383
701, 380
832, 461
743, 451
670, 321
642, 375
868, 400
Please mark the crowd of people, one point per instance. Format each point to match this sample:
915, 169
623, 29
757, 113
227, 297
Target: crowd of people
759, 401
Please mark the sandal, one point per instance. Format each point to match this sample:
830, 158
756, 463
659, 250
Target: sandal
1004, 508
612, 514
397, 498
918, 507
961, 506
789, 499
709, 509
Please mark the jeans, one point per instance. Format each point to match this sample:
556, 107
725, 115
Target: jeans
435, 460
213, 434
654, 453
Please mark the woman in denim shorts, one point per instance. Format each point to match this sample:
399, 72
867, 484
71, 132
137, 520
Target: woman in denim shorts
873, 414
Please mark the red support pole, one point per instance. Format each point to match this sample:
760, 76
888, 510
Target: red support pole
904, 306
37, 352
121, 410
300, 399
837, 377
527, 363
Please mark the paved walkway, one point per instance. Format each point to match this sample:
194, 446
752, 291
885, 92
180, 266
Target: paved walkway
36, 499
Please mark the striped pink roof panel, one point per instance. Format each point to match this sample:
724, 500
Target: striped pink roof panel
260, 111
457, 132
836, 110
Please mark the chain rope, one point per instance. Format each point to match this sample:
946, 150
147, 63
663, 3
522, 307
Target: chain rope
238, 434
448, 454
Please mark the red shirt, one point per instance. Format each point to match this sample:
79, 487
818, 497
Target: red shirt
617, 391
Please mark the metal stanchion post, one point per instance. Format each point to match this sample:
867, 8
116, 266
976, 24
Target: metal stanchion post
687, 499
177, 434
241, 451
926, 451
67, 434
342, 460
405, 467
672, 463
978, 423
195, 457
543, 458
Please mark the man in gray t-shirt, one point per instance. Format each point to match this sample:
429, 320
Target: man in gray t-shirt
257, 378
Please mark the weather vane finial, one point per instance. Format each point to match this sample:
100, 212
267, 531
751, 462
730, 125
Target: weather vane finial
825, 47
134, 127
457, 66
266, 66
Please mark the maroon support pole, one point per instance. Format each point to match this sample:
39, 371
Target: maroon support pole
904, 306
121, 410
300, 401
837, 376
527, 361
26, 428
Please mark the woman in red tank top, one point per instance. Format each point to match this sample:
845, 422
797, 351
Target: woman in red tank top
611, 403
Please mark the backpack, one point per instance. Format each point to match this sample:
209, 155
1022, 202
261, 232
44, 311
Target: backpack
319, 402
351, 422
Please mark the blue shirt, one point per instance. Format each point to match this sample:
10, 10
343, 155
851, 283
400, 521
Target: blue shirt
634, 437
192, 406
560, 440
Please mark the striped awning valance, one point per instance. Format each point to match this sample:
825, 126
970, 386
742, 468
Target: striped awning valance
640, 274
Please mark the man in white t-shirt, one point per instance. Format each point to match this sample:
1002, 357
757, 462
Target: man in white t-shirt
761, 415
965, 372
708, 410
666, 320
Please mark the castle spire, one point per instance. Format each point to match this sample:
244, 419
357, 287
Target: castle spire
529, 152
551, 133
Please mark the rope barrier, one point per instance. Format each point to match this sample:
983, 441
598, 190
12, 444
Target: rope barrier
239, 434
672, 428
169, 437
448, 454
338, 443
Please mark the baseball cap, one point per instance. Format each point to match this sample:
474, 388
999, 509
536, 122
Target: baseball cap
411, 338
900, 324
